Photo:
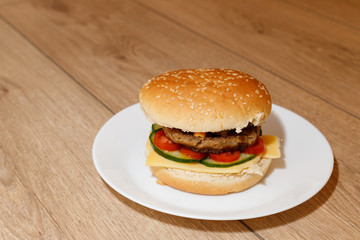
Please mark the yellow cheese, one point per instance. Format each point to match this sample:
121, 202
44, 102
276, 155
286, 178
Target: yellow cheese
154, 159
272, 147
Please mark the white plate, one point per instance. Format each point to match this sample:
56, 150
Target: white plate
305, 167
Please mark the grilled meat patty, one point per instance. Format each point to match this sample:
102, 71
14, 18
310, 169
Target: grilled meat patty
217, 142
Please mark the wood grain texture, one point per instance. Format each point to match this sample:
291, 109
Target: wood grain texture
48, 123
302, 47
22, 214
111, 50
345, 12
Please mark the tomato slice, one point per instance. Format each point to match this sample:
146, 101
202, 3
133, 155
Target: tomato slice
164, 143
226, 156
190, 153
257, 148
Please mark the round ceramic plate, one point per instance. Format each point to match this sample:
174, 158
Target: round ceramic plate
304, 168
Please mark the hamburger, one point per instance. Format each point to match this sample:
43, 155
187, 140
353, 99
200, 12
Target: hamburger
206, 135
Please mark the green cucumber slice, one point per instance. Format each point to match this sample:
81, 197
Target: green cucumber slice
155, 127
171, 155
243, 159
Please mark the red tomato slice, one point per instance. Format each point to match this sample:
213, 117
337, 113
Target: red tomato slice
190, 153
226, 156
257, 148
164, 143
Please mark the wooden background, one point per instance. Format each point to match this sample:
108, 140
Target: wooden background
67, 66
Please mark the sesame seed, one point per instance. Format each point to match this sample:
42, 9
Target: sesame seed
257, 91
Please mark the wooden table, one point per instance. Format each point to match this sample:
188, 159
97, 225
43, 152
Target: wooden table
67, 66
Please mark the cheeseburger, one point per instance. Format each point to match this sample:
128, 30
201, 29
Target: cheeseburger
206, 136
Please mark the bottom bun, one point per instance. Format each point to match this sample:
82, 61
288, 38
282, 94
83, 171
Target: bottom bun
209, 183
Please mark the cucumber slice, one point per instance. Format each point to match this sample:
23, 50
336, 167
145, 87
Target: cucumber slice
171, 155
243, 159
155, 127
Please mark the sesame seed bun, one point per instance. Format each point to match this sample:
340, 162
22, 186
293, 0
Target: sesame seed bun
205, 100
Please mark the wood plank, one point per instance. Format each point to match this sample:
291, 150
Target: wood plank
22, 214
48, 123
144, 47
313, 52
346, 12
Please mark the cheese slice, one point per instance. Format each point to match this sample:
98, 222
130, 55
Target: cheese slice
271, 151
272, 147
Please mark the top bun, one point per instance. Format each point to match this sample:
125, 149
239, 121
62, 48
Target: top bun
205, 100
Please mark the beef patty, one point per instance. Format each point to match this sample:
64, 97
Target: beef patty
216, 142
